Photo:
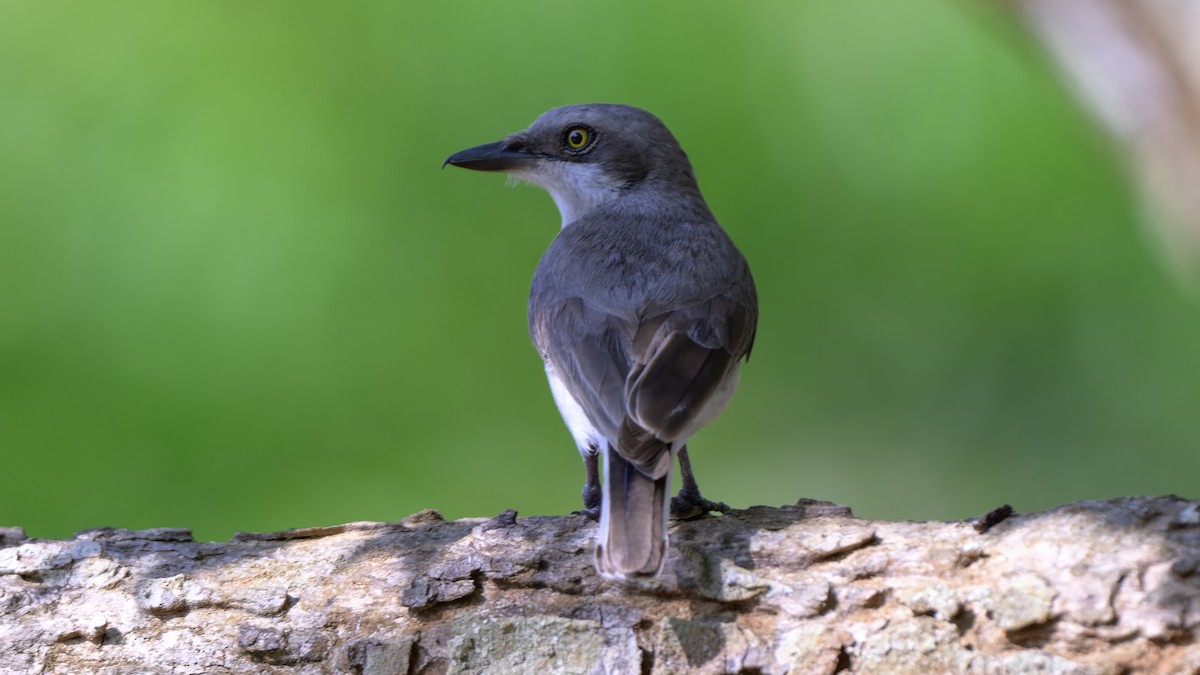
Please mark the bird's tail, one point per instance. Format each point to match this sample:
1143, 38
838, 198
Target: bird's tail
633, 520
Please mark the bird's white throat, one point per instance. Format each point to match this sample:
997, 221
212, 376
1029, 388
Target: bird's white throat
576, 188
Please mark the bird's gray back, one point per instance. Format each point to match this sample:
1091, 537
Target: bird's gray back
635, 265
614, 284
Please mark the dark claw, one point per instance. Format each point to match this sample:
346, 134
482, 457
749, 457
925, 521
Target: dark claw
593, 513
689, 505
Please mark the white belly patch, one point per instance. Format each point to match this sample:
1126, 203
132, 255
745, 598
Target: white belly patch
587, 439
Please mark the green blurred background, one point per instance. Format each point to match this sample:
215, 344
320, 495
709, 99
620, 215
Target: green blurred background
237, 292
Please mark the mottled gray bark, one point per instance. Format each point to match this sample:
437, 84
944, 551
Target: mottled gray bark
1094, 587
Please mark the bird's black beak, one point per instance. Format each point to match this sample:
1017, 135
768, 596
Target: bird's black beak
498, 156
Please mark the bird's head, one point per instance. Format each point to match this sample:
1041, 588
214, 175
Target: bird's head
587, 155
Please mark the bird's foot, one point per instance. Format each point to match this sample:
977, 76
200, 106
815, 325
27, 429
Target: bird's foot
689, 505
591, 498
593, 513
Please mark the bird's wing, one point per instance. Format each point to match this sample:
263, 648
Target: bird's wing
643, 382
679, 360
589, 351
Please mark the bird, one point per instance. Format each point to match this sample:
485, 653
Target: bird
642, 310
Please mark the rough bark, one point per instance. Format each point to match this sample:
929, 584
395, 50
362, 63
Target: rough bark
1093, 587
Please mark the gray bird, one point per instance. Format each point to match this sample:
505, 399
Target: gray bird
641, 309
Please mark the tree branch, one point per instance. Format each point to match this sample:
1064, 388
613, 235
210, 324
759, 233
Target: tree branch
1093, 587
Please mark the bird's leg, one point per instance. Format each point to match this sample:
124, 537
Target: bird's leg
688, 504
591, 486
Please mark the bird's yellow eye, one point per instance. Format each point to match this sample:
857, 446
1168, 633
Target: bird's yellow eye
577, 138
